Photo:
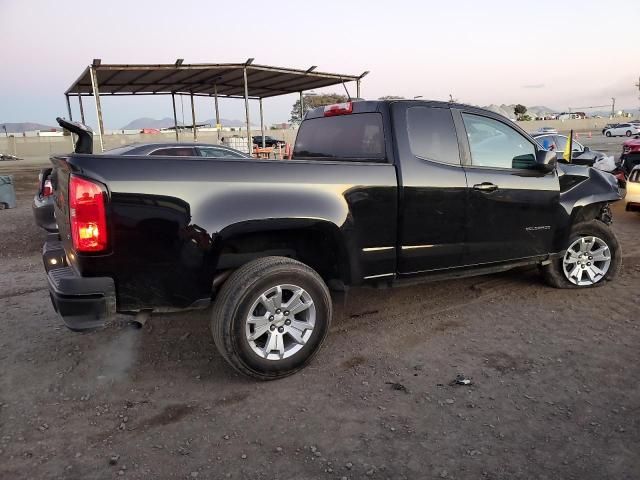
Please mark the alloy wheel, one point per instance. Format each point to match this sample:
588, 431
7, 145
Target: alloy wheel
586, 261
280, 322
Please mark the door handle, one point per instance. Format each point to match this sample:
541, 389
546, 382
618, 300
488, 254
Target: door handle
485, 187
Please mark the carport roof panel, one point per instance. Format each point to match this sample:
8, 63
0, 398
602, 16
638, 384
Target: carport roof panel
203, 79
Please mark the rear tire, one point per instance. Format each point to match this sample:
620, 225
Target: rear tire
252, 326
628, 134
594, 234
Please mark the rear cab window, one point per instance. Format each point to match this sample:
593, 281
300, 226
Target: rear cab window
357, 137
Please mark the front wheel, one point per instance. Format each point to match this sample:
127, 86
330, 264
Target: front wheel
271, 317
593, 257
608, 134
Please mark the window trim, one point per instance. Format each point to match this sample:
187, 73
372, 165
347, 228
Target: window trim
468, 160
455, 133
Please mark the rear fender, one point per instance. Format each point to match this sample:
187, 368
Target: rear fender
321, 218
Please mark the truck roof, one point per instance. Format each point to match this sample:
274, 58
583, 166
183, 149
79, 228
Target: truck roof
365, 106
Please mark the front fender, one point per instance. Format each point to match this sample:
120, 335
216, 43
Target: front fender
584, 191
581, 186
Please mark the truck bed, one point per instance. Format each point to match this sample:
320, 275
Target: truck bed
169, 218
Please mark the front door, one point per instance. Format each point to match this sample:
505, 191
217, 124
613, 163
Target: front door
512, 204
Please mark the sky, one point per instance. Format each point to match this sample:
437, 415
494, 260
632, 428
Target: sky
561, 54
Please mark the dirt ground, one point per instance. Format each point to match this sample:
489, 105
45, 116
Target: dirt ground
555, 389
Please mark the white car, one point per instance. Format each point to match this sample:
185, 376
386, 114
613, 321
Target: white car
632, 197
623, 129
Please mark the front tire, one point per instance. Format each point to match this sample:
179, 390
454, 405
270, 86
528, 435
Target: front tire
593, 257
271, 317
608, 134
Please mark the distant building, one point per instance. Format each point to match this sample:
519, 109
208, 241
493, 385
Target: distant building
281, 126
571, 116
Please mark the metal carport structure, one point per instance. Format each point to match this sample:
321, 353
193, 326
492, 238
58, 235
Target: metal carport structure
229, 80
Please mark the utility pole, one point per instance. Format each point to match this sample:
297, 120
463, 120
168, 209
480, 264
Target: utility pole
613, 107
638, 85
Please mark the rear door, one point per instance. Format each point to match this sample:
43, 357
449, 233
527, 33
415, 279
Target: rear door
512, 204
433, 188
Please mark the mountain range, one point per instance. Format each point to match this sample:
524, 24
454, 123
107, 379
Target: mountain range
25, 127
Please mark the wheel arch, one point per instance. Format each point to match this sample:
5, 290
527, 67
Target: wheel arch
318, 243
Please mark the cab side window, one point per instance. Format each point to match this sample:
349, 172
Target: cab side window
495, 144
432, 134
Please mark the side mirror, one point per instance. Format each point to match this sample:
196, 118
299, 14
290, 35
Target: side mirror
586, 149
546, 160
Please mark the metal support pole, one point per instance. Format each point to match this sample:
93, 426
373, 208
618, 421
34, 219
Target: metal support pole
215, 97
246, 109
301, 106
261, 123
613, 107
96, 97
69, 108
358, 88
175, 117
81, 109
73, 141
193, 118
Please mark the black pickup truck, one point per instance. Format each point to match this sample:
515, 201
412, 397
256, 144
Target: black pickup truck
377, 192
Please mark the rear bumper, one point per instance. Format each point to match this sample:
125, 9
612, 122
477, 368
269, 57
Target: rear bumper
82, 303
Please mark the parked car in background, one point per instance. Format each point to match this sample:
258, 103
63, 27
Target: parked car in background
580, 155
608, 126
182, 149
42, 205
268, 141
632, 198
622, 129
547, 130
630, 154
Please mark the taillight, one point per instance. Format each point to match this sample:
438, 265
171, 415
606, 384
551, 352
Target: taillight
338, 109
87, 215
47, 189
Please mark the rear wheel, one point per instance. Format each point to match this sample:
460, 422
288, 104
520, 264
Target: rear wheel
271, 317
628, 134
592, 258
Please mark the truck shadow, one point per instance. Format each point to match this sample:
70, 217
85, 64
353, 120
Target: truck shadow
180, 344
